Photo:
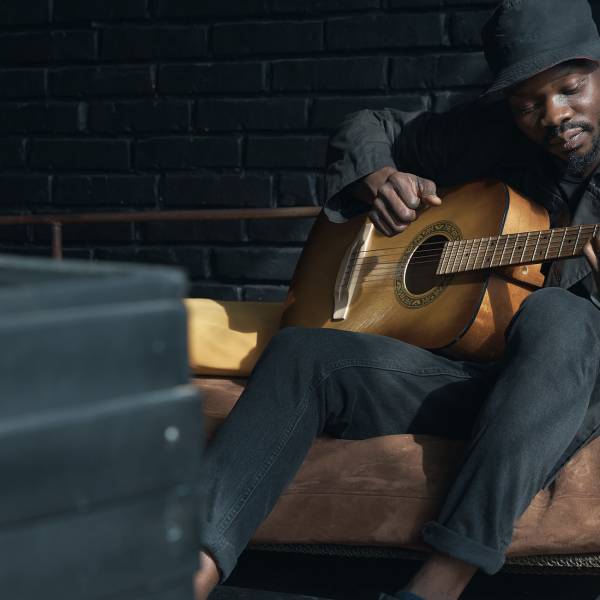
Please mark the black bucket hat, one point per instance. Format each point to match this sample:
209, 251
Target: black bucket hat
525, 37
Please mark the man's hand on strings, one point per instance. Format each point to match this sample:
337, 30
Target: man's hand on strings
592, 252
396, 198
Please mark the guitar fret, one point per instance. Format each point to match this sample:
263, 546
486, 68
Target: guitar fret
576, 241
445, 258
562, 242
504, 249
548, 244
454, 257
512, 254
494, 253
476, 258
524, 247
464, 244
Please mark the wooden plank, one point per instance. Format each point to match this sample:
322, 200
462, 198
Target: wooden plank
74, 459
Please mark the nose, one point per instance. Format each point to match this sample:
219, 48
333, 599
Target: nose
556, 112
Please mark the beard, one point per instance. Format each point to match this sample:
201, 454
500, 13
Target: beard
578, 165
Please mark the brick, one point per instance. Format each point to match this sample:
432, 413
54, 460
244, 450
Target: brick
279, 37
101, 81
257, 113
325, 74
218, 191
328, 113
462, 69
17, 12
12, 152
446, 100
89, 232
77, 253
212, 78
115, 253
80, 154
15, 233
42, 46
410, 72
40, 118
465, 27
386, 31
76, 10
458, 68
414, 3
105, 190
188, 152
24, 190
140, 116
22, 83
195, 261
193, 231
279, 230
259, 263
209, 8
318, 6
300, 189
130, 43
265, 293
215, 291
286, 151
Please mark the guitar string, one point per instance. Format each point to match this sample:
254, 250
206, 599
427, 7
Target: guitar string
478, 253
474, 247
546, 232
384, 270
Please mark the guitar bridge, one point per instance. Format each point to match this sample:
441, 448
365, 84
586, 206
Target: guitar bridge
348, 273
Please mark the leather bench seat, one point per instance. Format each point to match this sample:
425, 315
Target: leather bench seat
380, 491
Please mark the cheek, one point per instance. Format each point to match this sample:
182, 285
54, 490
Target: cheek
528, 129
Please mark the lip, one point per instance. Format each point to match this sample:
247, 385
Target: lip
570, 140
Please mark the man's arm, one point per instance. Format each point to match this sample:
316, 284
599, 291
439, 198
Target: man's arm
406, 153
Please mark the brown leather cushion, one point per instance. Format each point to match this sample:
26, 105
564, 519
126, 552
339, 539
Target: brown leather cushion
380, 491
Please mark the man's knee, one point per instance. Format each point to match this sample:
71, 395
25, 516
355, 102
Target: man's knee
557, 312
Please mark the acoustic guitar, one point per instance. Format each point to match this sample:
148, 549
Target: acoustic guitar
450, 282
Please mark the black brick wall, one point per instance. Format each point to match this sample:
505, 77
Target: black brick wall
108, 104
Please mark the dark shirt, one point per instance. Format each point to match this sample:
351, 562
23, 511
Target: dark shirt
472, 141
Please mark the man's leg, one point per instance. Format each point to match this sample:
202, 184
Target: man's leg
312, 381
530, 416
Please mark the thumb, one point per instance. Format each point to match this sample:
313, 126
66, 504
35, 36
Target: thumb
589, 253
427, 191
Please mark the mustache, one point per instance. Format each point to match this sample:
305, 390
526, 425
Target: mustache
553, 132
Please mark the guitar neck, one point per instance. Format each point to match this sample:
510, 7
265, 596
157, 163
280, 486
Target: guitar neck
514, 249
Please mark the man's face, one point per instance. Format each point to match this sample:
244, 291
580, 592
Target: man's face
559, 109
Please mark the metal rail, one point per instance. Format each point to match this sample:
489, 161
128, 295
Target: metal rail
56, 221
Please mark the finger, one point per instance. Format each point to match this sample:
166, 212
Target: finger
376, 220
395, 206
591, 255
427, 191
405, 188
392, 224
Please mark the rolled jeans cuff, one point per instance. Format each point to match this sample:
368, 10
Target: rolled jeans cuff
223, 553
458, 546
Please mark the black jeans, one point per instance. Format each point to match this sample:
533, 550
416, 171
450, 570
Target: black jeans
519, 416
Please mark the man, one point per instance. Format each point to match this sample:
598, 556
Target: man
538, 129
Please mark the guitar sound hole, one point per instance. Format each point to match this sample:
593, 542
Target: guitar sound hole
420, 276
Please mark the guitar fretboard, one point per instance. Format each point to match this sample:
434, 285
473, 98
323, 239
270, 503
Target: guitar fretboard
514, 249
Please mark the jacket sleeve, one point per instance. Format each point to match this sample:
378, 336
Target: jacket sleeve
449, 148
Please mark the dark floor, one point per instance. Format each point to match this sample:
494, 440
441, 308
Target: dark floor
342, 578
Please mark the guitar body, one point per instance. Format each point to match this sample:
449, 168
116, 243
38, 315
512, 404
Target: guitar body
351, 277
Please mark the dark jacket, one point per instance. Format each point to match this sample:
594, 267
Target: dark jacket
472, 141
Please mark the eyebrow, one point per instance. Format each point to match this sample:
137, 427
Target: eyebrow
527, 95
